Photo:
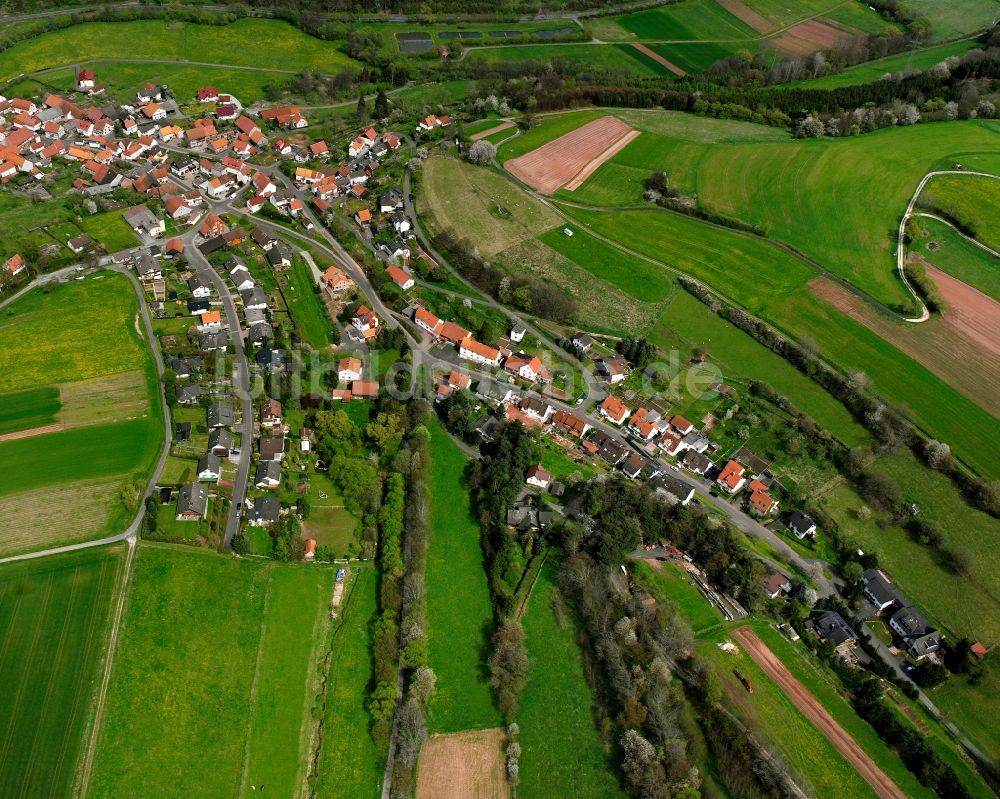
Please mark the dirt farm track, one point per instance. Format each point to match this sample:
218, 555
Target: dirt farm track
573, 157
817, 714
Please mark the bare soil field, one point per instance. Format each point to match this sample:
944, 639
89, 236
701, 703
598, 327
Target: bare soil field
817, 714
490, 131
463, 765
946, 346
970, 312
607, 155
658, 59
807, 37
748, 15
553, 165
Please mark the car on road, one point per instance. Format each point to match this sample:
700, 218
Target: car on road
239, 510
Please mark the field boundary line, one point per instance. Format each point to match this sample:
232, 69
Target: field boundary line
102, 696
253, 685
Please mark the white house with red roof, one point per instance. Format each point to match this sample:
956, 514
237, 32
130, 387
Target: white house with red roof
732, 477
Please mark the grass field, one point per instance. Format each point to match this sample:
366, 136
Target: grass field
287, 679
691, 20
459, 616
79, 453
54, 618
956, 17
562, 752
957, 257
634, 276
288, 47
617, 58
85, 338
872, 71
971, 200
667, 582
974, 707
311, 320
687, 320
33, 407
350, 765
77, 331
228, 646
697, 56
465, 199
111, 230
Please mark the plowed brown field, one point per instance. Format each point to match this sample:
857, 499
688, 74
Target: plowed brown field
553, 165
463, 765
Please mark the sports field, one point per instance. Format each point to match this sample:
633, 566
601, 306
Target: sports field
350, 765
81, 412
459, 616
562, 752
230, 647
54, 621
972, 201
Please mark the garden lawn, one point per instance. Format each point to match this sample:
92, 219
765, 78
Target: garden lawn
971, 200
287, 679
54, 620
459, 615
307, 308
33, 407
288, 48
111, 230
350, 764
957, 256
189, 643
562, 751
871, 71
688, 321
974, 707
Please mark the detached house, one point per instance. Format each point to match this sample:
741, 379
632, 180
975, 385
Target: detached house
209, 467
348, 370
268, 475
399, 277
731, 478
472, 350
270, 413
614, 410
192, 503
538, 477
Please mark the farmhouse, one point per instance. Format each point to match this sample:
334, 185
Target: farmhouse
192, 502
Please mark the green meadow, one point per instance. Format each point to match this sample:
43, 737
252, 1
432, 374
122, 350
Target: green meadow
871, 71
620, 58
54, 622
231, 647
971, 200
459, 616
563, 753
287, 47
305, 305
955, 255
33, 407
956, 17
350, 765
